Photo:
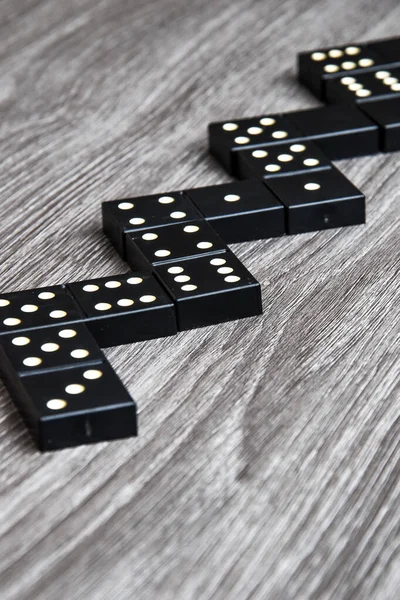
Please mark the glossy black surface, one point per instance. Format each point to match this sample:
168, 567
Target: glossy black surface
320, 200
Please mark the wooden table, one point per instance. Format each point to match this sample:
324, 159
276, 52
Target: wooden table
268, 460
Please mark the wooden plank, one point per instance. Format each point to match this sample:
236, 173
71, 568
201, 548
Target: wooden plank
268, 461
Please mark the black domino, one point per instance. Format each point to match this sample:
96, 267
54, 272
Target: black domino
281, 161
139, 214
74, 406
168, 244
210, 290
364, 87
386, 114
340, 131
240, 211
320, 200
42, 307
228, 138
125, 308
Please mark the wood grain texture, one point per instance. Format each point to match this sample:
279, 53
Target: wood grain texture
269, 457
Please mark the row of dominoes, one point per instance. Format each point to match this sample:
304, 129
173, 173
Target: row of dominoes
250, 148
364, 76
322, 70
311, 198
183, 275
360, 82
51, 338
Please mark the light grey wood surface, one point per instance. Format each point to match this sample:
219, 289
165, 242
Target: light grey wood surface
268, 460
